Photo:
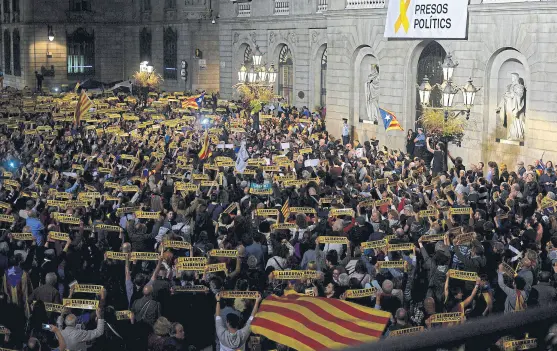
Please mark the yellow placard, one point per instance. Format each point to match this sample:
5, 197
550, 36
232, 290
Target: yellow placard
81, 304
406, 331
392, 264
465, 238
224, 253
234, 294
284, 226
69, 219
125, 210
130, 189
75, 203
382, 202
177, 244
463, 275
22, 236
307, 150
261, 191
376, 244
289, 275
89, 195
309, 292
147, 215
432, 237
66, 196
508, 270
145, 256
200, 177
306, 210
113, 255
108, 228
333, 240
191, 288
401, 247
335, 212
5, 205
460, 210
357, 293
271, 168
208, 183
59, 236
524, 344
230, 208
12, 183
256, 162
7, 218
217, 267
186, 187
53, 307
294, 182
427, 213
250, 172
450, 317
123, 315
267, 212
88, 288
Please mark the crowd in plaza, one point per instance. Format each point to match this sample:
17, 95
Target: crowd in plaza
132, 228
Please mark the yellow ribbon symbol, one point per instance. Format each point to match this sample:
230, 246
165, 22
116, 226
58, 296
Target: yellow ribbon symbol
402, 18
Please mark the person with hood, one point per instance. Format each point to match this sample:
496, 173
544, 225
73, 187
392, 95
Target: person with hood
232, 338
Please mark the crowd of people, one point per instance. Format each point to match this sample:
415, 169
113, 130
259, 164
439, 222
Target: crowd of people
123, 201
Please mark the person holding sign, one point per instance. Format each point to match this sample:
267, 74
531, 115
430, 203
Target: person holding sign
516, 295
77, 339
232, 338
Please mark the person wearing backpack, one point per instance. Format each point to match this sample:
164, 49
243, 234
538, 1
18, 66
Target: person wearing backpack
516, 296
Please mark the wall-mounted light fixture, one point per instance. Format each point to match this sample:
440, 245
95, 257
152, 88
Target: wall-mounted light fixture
50, 33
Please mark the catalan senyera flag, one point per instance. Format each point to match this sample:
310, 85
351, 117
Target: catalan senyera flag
83, 105
193, 102
389, 120
286, 209
308, 323
205, 152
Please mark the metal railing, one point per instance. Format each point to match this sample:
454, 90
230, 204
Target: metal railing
321, 5
477, 334
244, 10
282, 7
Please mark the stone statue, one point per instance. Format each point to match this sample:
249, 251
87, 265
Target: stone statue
372, 94
512, 108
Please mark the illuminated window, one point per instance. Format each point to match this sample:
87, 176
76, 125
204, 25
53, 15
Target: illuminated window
81, 53
286, 75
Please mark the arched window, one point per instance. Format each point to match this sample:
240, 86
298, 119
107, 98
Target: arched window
430, 64
170, 50
81, 53
145, 5
17, 53
323, 100
145, 45
7, 52
15, 10
248, 56
286, 76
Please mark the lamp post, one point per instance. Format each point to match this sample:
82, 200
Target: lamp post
448, 91
257, 76
50, 33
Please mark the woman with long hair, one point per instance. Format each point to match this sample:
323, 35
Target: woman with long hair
410, 142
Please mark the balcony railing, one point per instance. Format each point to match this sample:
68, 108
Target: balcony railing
321, 5
244, 10
365, 4
282, 7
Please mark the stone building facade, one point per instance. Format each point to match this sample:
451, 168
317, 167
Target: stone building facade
324, 51
101, 39
503, 37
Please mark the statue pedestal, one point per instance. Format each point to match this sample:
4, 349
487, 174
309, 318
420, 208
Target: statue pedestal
510, 142
369, 122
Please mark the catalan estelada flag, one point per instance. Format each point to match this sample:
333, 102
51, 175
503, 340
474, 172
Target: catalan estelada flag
205, 153
313, 323
83, 105
286, 209
193, 102
389, 120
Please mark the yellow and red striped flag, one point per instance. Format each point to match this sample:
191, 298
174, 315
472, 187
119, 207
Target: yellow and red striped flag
205, 153
286, 209
83, 105
313, 323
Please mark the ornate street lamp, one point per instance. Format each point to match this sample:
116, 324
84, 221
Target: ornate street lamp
50, 33
448, 67
469, 93
425, 91
242, 73
257, 57
272, 74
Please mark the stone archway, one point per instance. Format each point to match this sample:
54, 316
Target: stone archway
362, 62
500, 66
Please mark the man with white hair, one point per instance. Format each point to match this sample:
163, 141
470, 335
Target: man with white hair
77, 339
47, 292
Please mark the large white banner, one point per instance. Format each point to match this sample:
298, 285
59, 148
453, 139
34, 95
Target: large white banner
441, 19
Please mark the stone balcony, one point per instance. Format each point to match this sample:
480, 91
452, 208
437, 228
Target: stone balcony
244, 10
321, 6
365, 4
282, 7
